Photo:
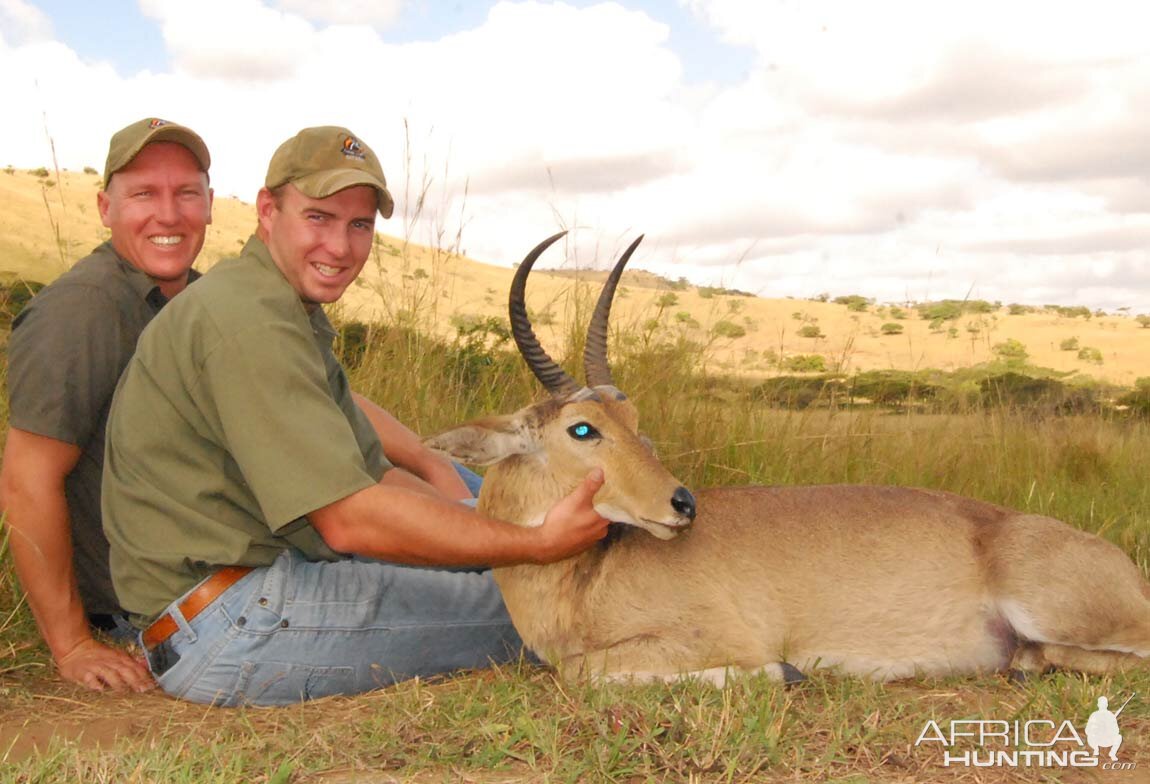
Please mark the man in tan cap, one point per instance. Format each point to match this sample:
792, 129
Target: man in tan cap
66, 353
260, 538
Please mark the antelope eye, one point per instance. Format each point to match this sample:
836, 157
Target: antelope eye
581, 431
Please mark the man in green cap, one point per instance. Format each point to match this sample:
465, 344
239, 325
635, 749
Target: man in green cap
65, 355
260, 539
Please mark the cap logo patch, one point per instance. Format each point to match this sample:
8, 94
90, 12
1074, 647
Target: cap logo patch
157, 123
352, 148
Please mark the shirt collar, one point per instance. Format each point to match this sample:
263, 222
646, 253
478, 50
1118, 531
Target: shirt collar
147, 289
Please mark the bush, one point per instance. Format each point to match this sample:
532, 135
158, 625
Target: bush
950, 309
1092, 355
946, 310
811, 331
1015, 309
1143, 320
897, 313
14, 295
854, 302
890, 328
354, 337
90, 170
1011, 351
804, 363
1068, 312
42, 172
1138, 401
469, 326
891, 387
728, 329
797, 392
541, 318
1038, 395
1069, 344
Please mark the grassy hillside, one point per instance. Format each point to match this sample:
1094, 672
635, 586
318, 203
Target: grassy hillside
521, 723
47, 224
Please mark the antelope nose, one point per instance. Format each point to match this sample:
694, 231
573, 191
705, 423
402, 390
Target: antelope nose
684, 503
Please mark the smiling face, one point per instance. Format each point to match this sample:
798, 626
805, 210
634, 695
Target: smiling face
158, 208
320, 245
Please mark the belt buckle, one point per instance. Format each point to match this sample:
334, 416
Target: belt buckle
162, 658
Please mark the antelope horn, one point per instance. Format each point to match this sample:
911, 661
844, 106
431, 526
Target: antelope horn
595, 351
554, 378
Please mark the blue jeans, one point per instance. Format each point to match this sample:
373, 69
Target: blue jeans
473, 480
299, 629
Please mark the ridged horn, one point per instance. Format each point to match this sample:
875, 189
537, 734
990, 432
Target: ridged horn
595, 351
554, 378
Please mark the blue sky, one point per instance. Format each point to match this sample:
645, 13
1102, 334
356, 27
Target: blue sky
985, 149
115, 31
118, 32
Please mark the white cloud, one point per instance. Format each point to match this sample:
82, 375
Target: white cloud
22, 22
232, 39
881, 147
376, 13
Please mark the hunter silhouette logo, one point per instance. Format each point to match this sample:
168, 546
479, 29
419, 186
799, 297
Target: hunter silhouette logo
1042, 743
1102, 728
352, 148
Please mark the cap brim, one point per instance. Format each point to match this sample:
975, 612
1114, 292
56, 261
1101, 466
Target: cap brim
321, 184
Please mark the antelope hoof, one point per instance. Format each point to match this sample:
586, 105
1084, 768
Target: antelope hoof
791, 674
1017, 677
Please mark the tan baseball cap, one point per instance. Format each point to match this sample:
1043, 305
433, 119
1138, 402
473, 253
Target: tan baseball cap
127, 142
324, 160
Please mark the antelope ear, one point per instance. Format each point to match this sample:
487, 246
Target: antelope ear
647, 442
486, 441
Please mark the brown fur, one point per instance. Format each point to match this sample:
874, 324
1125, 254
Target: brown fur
883, 582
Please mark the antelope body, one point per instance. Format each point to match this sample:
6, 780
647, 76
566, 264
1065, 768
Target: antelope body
882, 582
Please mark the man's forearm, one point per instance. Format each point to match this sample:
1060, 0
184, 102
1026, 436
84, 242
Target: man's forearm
405, 449
402, 525
398, 524
40, 538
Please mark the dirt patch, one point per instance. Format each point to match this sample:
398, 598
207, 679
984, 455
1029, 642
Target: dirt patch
38, 711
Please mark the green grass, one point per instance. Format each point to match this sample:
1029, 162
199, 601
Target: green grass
520, 723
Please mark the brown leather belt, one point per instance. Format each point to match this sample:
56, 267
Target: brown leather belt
193, 604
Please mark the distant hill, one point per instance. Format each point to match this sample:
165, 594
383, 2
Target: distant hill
47, 224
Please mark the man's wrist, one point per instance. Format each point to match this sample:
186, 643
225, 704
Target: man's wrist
63, 652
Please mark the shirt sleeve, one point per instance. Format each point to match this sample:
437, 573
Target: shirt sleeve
65, 355
279, 422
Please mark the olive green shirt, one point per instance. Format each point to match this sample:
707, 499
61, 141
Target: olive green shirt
67, 350
232, 422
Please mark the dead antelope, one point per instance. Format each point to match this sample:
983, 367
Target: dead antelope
883, 582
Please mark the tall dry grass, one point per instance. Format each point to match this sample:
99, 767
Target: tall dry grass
709, 430
1088, 470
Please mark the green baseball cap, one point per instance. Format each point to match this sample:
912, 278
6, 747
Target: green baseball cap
324, 160
127, 142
